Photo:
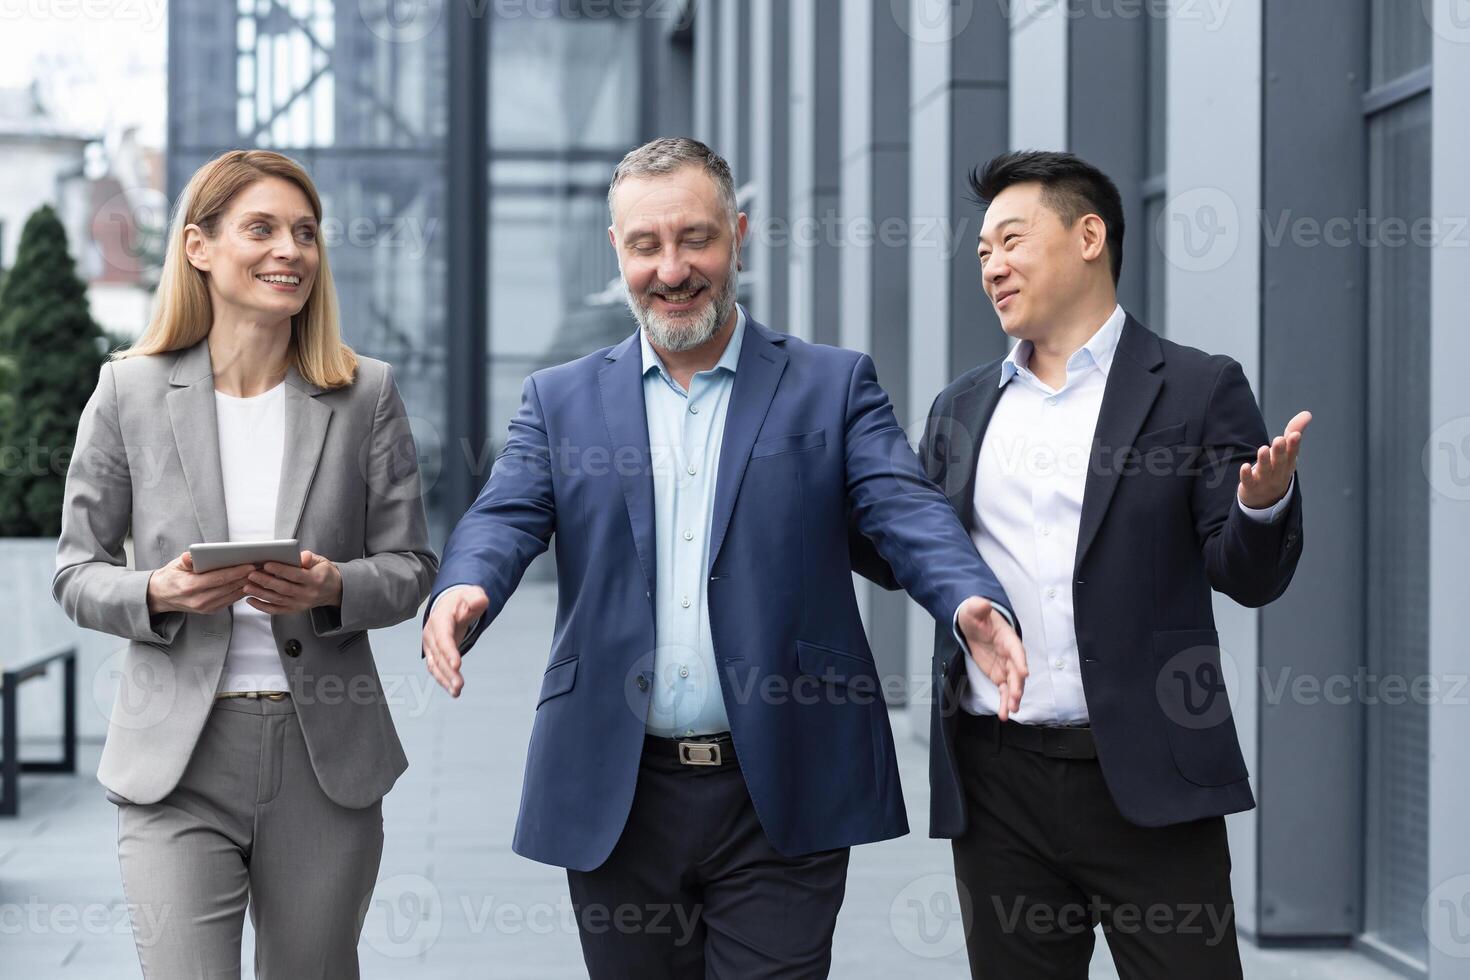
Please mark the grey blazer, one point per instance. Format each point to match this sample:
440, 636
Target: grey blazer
147, 456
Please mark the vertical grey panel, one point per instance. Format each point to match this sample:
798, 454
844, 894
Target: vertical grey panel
1447, 462
468, 255
1313, 338
1107, 122
769, 129
821, 196
666, 76
958, 70
873, 269
1397, 814
706, 73
979, 107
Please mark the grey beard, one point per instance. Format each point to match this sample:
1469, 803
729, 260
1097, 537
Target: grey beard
667, 333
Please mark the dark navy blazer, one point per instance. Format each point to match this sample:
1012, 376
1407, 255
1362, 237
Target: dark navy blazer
1160, 529
811, 450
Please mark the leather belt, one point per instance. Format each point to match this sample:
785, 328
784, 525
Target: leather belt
697, 750
254, 695
1052, 741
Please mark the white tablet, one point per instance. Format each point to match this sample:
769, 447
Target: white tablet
223, 554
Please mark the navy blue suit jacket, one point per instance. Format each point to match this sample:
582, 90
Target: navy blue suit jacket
1160, 528
811, 449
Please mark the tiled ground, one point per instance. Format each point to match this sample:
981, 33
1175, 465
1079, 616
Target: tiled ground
452, 900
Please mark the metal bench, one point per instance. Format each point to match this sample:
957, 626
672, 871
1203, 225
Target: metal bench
11, 765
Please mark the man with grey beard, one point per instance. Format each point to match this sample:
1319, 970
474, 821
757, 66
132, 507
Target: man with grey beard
705, 754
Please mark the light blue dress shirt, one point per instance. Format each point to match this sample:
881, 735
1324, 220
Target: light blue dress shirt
685, 432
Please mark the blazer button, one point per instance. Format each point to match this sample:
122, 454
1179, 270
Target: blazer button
642, 683
293, 648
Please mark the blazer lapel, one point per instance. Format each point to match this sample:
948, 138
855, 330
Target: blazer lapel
1133, 385
762, 362
306, 431
620, 394
957, 443
196, 437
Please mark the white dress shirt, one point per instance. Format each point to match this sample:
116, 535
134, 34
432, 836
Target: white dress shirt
1029, 481
252, 441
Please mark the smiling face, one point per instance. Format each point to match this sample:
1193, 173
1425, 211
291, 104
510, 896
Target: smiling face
1033, 267
263, 255
678, 255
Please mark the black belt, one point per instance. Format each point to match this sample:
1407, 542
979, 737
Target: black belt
1052, 741
697, 750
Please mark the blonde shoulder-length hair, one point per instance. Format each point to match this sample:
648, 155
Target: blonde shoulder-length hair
183, 314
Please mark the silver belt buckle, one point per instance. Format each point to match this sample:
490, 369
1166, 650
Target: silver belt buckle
699, 753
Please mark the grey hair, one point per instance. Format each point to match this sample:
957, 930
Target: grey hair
667, 154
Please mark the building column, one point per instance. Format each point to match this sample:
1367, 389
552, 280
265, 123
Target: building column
1212, 293
1447, 464
873, 257
815, 158
766, 251
959, 62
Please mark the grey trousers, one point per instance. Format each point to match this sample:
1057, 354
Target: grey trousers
248, 824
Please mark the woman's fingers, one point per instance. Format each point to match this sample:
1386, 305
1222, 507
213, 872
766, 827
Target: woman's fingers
287, 572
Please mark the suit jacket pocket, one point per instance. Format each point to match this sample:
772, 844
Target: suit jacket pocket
837, 667
352, 638
793, 443
1190, 687
1169, 435
560, 678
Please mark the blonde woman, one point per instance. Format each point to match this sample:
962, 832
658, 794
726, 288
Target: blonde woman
250, 744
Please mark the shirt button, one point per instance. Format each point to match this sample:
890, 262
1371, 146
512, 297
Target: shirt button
685, 602
1057, 663
693, 409
1052, 400
683, 671
1045, 530
688, 535
691, 469
1051, 593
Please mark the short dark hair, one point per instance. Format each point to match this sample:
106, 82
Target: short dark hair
1070, 186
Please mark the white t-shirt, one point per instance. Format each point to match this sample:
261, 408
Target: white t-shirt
252, 440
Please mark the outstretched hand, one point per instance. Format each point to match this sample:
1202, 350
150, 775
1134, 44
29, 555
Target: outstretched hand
996, 650
449, 621
1266, 481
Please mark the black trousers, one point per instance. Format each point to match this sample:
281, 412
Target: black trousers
694, 889
1047, 857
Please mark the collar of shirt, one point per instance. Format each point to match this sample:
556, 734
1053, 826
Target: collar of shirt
1099, 350
728, 360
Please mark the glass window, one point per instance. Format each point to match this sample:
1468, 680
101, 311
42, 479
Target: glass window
564, 97
359, 99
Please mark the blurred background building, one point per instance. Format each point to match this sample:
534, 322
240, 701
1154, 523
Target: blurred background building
1293, 173
1275, 159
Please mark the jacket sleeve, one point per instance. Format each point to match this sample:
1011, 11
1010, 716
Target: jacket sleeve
911, 525
93, 583
386, 585
1250, 561
511, 521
